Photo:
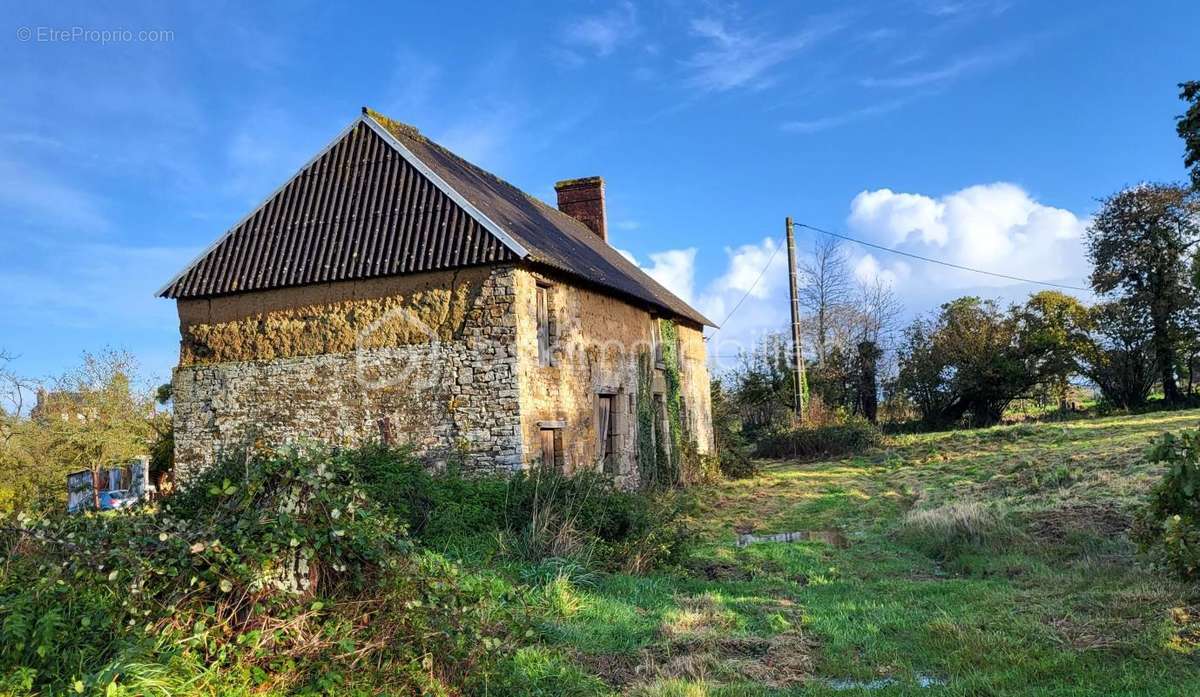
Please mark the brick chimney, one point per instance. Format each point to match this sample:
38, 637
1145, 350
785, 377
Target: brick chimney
583, 200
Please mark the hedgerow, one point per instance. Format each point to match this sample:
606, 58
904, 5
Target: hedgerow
811, 442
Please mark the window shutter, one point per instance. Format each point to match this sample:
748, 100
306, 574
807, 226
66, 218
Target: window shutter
548, 458
618, 416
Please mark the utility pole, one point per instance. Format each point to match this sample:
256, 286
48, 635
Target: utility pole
798, 399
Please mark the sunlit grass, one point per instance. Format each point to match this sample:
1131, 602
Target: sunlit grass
1062, 607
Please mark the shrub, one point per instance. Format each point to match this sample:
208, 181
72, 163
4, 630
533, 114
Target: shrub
280, 568
805, 443
537, 515
947, 531
1169, 526
585, 517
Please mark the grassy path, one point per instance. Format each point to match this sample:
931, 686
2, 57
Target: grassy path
1059, 604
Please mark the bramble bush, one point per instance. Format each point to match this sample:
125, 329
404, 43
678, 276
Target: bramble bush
281, 570
1169, 527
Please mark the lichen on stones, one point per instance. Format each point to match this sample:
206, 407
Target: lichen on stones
338, 327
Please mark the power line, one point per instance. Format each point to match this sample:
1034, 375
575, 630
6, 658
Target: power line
748, 291
939, 261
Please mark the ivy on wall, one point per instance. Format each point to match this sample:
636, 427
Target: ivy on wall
673, 396
647, 452
662, 461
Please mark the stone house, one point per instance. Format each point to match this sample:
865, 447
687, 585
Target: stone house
392, 291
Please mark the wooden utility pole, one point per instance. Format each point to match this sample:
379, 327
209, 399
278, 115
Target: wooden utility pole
798, 399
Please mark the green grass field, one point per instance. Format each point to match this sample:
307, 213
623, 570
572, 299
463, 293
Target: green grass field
1051, 600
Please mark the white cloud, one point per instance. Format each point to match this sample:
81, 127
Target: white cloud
602, 33
675, 269
745, 272
996, 227
950, 71
748, 299
39, 198
740, 58
833, 121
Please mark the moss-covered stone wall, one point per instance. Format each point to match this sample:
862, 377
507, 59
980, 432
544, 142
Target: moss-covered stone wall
330, 318
426, 360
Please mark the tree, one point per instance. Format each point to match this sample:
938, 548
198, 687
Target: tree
825, 290
1141, 245
878, 308
732, 450
925, 370
1188, 128
1055, 328
763, 385
867, 393
1119, 355
970, 361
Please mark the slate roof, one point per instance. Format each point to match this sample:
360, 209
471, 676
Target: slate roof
381, 200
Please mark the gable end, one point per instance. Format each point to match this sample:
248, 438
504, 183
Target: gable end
362, 208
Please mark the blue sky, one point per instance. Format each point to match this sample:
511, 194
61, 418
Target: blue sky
979, 132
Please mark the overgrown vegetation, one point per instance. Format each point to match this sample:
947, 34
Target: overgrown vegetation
947, 531
533, 515
96, 415
812, 442
279, 573
1169, 527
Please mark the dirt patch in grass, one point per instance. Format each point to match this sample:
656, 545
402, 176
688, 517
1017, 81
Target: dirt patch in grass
700, 642
1092, 634
1097, 519
716, 570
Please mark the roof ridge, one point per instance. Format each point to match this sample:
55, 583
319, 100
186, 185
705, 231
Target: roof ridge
582, 233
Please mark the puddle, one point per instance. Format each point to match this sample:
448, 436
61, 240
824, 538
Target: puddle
832, 537
841, 684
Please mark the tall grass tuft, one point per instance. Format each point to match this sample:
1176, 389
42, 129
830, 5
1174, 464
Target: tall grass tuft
947, 531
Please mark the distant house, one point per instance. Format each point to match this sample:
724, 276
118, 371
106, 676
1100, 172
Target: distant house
393, 291
61, 405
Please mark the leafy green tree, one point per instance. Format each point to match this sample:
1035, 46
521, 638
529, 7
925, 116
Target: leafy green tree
1119, 355
91, 418
866, 364
1055, 330
925, 371
1189, 128
971, 360
1141, 245
764, 384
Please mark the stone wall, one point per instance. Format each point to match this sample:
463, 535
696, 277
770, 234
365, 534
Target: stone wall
697, 387
595, 347
446, 361
428, 358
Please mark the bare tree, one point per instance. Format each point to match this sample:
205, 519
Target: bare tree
879, 309
15, 393
826, 289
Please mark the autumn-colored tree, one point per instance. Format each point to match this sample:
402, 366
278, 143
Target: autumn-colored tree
107, 422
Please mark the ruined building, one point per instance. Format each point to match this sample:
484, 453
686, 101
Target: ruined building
392, 291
